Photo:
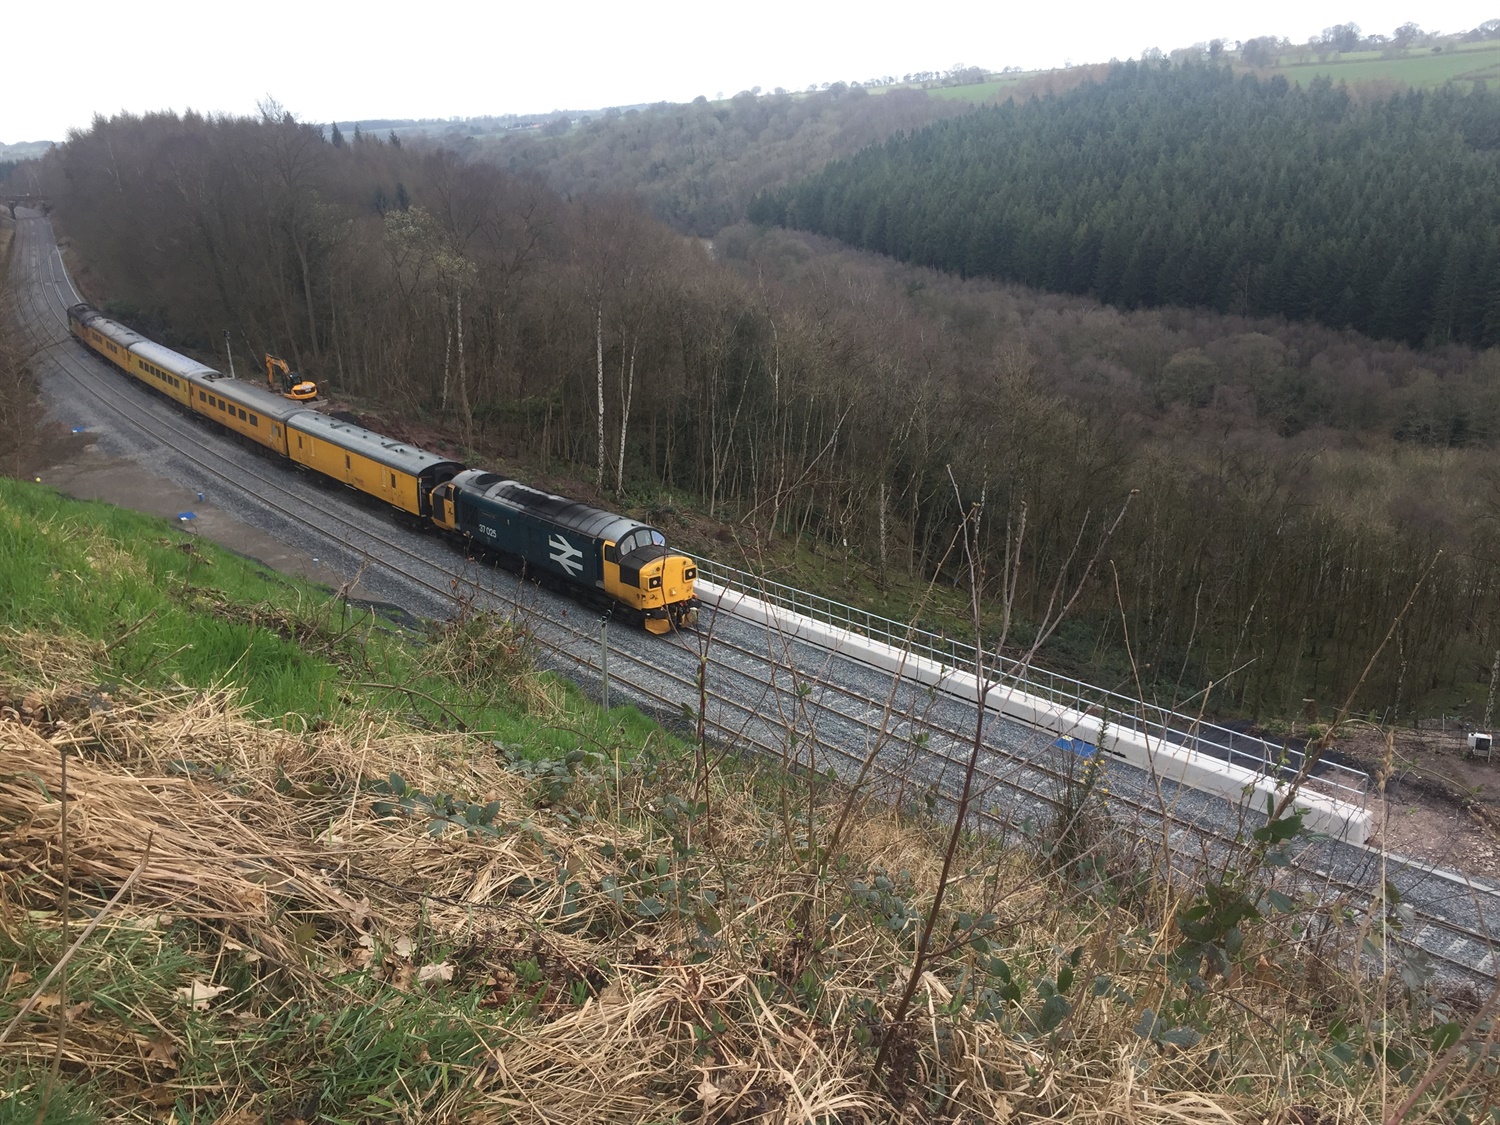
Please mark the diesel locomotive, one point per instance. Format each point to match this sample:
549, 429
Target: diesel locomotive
605, 557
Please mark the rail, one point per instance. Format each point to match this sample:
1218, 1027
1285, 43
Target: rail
1150, 720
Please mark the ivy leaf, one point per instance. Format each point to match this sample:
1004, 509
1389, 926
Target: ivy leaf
1444, 1035
1054, 1011
1279, 831
1281, 902
1146, 1026
1179, 1036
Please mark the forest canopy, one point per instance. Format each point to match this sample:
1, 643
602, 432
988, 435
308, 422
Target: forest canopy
1190, 185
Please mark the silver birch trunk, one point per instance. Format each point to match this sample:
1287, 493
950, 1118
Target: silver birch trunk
463, 381
625, 395
599, 355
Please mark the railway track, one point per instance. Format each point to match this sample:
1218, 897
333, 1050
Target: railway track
764, 693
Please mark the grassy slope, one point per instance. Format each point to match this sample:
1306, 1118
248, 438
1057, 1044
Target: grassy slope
179, 611
376, 922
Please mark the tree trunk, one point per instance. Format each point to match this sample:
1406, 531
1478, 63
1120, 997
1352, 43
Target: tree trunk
599, 356
463, 382
625, 394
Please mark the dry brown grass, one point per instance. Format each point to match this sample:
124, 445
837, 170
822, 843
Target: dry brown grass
269, 862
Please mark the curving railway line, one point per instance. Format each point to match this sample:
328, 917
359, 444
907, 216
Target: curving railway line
761, 692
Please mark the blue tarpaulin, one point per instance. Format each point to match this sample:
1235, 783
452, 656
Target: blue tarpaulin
1078, 746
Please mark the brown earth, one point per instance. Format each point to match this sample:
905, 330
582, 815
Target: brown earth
1441, 805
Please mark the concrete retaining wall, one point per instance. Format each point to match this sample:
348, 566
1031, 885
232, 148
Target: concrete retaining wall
1198, 770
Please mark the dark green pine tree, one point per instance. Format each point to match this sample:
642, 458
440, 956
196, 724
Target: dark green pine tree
1188, 185
337, 137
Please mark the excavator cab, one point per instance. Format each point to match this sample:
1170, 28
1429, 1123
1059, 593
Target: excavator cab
286, 382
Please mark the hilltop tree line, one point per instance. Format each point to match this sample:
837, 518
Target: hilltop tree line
834, 399
697, 165
1189, 185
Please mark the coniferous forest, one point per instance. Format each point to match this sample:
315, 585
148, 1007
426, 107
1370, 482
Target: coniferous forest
1194, 186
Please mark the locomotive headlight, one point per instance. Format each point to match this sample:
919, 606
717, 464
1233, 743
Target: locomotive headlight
690, 573
654, 583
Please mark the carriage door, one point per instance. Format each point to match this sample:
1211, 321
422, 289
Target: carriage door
442, 505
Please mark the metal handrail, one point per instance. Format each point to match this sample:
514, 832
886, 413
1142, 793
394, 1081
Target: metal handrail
1138, 716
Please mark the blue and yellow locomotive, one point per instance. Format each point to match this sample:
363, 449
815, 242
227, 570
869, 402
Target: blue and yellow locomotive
606, 556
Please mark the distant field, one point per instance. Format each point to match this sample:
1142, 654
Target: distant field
1421, 68
979, 91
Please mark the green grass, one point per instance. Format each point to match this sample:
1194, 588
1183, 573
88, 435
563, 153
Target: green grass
166, 609
1420, 68
979, 91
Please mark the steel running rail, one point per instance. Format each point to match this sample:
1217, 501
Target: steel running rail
1149, 720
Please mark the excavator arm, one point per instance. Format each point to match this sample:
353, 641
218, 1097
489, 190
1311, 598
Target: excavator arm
286, 382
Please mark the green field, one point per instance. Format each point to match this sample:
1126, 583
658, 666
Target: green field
979, 91
1418, 68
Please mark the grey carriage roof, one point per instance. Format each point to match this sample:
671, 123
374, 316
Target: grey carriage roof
252, 397
168, 360
101, 324
570, 514
385, 450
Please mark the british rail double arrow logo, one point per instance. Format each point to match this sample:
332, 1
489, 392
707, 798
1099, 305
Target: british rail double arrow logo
565, 555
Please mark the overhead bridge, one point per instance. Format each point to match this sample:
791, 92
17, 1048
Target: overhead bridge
38, 202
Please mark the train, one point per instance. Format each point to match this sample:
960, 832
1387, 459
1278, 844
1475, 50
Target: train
620, 563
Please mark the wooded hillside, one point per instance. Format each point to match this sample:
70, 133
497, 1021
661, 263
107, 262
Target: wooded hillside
1295, 482
1189, 185
696, 166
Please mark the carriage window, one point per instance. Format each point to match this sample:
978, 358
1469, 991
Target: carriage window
254, 421
346, 460
202, 397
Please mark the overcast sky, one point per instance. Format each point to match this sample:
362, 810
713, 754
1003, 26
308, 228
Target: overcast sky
375, 59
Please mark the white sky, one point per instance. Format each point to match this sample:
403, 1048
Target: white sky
376, 59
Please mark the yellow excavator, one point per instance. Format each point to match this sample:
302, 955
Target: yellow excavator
286, 382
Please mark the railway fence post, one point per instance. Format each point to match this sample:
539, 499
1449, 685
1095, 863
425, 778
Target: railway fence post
604, 662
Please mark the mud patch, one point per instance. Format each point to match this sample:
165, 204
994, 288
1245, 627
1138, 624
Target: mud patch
72, 464
1441, 805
